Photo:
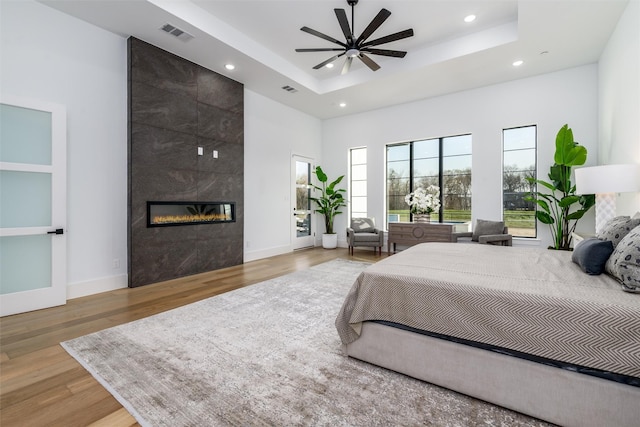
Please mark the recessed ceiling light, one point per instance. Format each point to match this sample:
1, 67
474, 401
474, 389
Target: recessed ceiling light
518, 63
343, 104
330, 65
469, 18
230, 67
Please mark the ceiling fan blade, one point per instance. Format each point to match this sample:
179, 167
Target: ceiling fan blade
347, 65
321, 49
344, 24
328, 61
390, 38
369, 62
385, 52
322, 36
373, 25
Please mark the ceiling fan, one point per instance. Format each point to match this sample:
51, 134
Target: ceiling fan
358, 47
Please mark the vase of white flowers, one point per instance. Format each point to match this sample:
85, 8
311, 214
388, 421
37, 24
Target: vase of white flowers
423, 202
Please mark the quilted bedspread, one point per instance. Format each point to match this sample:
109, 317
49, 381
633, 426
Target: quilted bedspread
529, 300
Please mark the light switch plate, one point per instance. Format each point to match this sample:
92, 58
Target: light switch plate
200, 151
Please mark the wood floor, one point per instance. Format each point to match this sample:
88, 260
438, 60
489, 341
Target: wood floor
41, 385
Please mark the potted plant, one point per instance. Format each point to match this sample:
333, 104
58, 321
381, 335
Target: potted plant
329, 202
562, 207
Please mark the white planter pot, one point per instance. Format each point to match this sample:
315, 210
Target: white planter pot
330, 241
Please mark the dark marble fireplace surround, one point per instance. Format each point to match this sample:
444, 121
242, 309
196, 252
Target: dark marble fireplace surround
176, 106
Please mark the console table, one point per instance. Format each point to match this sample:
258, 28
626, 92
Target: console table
412, 233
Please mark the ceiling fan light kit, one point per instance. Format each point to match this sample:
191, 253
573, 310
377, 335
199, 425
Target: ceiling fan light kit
358, 47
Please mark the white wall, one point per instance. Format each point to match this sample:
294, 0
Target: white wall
619, 93
548, 101
50, 56
273, 133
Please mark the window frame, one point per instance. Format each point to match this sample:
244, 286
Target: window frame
411, 177
351, 180
535, 174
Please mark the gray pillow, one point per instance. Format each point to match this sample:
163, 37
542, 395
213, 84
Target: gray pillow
485, 228
592, 254
624, 262
616, 228
363, 225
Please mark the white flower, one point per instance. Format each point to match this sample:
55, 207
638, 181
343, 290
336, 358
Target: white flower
423, 201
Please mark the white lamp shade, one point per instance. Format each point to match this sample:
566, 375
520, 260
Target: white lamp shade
608, 179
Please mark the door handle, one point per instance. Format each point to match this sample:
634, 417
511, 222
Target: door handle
56, 231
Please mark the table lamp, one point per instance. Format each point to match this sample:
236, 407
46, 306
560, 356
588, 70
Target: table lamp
605, 181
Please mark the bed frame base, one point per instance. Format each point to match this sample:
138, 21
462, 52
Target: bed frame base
545, 392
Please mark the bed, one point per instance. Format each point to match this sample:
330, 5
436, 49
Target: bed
522, 328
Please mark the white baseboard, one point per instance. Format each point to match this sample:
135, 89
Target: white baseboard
266, 253
83, 289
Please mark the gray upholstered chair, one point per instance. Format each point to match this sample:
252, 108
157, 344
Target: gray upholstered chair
487, 232
363, 232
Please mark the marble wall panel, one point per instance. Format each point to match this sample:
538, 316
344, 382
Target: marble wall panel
216, 253
163, 109
228, 156
217, 186
161, 261
175, 107
222, 125
220, 91
163, 148
151, 183
156, 67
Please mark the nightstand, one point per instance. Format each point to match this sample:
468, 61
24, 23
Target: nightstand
577, 237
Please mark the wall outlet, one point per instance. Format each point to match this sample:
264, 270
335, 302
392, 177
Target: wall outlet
116, 263
248, 245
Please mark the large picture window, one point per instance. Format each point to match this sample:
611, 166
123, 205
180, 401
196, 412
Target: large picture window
443, 162
519, 163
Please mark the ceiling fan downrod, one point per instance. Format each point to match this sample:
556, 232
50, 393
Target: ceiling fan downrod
352, 3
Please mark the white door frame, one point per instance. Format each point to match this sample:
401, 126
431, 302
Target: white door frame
300, 242
55, 295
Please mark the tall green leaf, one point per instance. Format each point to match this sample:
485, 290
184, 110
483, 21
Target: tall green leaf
568, 152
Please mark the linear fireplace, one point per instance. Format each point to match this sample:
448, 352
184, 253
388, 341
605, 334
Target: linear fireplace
169, 214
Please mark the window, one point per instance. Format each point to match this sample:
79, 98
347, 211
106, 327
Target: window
443, 162
358, 182
518, 164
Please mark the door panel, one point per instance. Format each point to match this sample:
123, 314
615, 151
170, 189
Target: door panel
32, 205
303, 235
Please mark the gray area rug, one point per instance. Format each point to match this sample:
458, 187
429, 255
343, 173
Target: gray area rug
266, 355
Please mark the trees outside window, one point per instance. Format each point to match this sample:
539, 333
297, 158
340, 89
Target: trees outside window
519, 163
443, 162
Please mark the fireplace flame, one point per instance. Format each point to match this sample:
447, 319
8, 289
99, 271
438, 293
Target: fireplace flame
169, 219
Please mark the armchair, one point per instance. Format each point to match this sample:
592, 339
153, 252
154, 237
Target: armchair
487, 232
363, 232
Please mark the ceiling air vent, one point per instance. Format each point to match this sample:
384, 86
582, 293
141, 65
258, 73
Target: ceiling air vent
290, 89
176, 32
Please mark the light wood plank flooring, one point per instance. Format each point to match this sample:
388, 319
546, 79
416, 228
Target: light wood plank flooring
41, 385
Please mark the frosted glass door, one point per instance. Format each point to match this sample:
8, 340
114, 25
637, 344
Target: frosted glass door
32, 205
302, 205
